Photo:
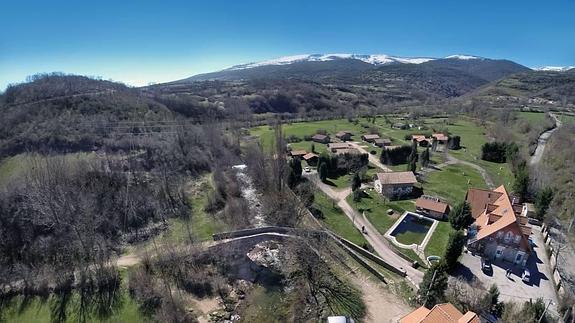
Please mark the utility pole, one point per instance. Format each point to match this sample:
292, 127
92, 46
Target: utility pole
543, 315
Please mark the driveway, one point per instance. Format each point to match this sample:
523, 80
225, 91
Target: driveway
513, 288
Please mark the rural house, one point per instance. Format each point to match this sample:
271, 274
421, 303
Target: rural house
369, 138
440, 313
382, 142
421, 140
344, 135
335, 146
394, 184
323, 139
311, 159
440, 138
298, 153
500, 230
432, 207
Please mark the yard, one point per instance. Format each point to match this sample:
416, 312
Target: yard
452, 182
375, 208
438, 242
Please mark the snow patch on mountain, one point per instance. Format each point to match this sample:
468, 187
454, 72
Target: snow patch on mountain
376, 59
463, 57
554, 68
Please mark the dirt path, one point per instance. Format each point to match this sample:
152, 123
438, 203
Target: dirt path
382, 305
375, 239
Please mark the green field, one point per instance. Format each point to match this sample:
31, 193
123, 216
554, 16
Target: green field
452, 182
336, 220
438, 242
40, 311
531, 117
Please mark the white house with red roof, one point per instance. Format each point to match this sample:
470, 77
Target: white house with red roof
500, 230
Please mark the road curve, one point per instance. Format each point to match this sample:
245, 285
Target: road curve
542, 141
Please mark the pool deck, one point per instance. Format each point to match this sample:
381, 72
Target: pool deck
415, 247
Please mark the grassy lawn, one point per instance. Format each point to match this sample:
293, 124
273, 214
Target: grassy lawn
439, 239
342, 181
452, 182
375, 208
336, 220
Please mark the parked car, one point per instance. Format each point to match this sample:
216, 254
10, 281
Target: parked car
307, 169
526, 276
486, 266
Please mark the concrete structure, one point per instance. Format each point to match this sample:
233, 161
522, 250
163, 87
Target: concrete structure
440, 313
500, 230
394, 185
432, 207
323, 139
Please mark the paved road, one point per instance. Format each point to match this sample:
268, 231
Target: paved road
513, 288
375, 239
542, 141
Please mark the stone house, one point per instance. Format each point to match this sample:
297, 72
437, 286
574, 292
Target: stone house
394, 185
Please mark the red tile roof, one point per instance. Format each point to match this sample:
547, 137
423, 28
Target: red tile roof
440, 313
432, 204
497, 215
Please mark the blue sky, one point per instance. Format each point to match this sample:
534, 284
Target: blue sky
137, 42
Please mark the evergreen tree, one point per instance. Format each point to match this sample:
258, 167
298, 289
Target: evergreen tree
313, 148
521, 184
355, 182
433, 286
454, 249
412, 166
322, 171
425, 157
542, 201
460, 216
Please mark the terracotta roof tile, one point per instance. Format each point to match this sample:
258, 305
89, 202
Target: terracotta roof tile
440, 313
431, 204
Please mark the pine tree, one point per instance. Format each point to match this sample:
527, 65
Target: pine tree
542, 201
322, 171
454, 249
425, 157
460, 216
432, 287
355, 182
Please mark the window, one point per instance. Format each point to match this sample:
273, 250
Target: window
517, 238
499, 234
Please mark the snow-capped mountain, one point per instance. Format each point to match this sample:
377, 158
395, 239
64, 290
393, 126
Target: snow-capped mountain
554, 68
344, 67
375, 59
